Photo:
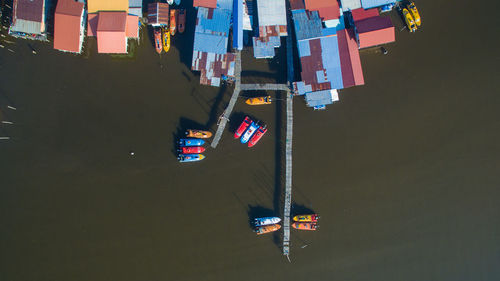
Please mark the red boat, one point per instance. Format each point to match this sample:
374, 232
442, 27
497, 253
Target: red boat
158, 46
257, 136
244, 125
191, 149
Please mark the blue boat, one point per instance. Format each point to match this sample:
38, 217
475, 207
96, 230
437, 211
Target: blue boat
266, 221
249, 132
191, 142
190, 157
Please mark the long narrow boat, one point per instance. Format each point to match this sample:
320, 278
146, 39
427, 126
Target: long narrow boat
305, 225
170, 2
166, 39
414, 12
409, 21
191, 149
267, 228
173, 21
191, 142
177, 2
249, 132
266, 221
190, 157
157, 33
257, 136
243, 126
259, 100
182, 20
198, 134
306, 218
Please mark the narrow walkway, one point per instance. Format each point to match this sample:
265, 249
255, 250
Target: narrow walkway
288, 146
227, 112
266, 87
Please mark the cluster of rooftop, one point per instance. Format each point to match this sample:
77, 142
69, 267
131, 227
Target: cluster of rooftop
111, 21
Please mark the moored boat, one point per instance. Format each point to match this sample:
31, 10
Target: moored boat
306, 218
266, 221
305, 225
170, 2
257, 136
157, 33
259, 100
191, 149
182, 20
190, 157
177, 2
191, 142
198, 134
267, 228
166, 39
414, 12
249, 132
173, 21
243, 126
409, 21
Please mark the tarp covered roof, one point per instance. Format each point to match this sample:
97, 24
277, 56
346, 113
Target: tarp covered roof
67, 25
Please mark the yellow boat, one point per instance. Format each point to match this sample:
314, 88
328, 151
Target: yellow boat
414, 12
409, 20
199, 134
166, 39
306, 218
259, 100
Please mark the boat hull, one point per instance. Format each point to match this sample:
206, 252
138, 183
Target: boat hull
158, 45
191, 149
266, 221
173, 21
311, 226
244, 125
198, 134
190, 157
306, 218
259, 100
257, 136
191, 142
182, 20
267, 229
249, 132
409, 21
414, 13
166, 40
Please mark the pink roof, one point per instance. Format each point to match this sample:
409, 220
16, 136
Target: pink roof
111, 32
205, 3
67, 26
350, 63
328, 9
92, 24
375, 31
132, 29
361, 14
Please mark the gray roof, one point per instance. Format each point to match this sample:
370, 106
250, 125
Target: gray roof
350, 4
27, 26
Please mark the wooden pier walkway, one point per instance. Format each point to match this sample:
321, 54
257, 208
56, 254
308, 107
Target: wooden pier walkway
227, 112
265, 87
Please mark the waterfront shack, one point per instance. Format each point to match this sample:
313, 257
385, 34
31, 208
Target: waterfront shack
271, 15
110, 22
374, 31
158, 14
210, 47
28, 19
135, 8
69, 26
329, 11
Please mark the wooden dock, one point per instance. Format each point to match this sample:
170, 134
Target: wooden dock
227, 112
264, 87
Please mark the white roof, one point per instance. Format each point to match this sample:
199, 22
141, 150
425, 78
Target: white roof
350, 4
271, 12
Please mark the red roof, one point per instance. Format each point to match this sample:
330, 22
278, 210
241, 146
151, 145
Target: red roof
350, 63
361, 14
67, 26
375, 31
297, 4
328, 9
31, 10
92, 24
205, 3
111, 32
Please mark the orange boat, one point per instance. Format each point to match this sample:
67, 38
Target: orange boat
173, 21
182, 20
267, 228
305, 225
158, 45
199, 134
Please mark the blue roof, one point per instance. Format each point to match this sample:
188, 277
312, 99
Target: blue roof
331, 61
210, 43
307, 24
265, 49
135, 3
225, 4
238, 25
367, 4
218, 24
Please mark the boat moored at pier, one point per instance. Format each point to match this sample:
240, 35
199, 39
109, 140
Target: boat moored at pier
266, 221
182, 20
191, 149
190, 157
243, 126
259, 100
199, 134
267, 229
306, 218
249, 132
257, 136
305, 225
191, 142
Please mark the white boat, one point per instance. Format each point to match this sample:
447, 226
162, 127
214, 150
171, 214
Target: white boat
266, 221
249, 133
170, 2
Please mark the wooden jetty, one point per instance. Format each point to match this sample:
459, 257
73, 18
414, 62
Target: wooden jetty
264, 87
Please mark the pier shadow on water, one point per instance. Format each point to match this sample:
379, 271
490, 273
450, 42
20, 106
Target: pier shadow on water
300, 210
258, 212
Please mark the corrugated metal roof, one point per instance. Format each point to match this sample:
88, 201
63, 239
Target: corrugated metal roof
271, 12
210, 43
67, 26
111, 32
136, 11
331, 61
265, 49
112, 21
297, 5
373, 23
238, 25
158, 14
30, 10
92, 20
375, 3
205, 3
225, 4
307, 24
361, 14
132, 28
376, 37
348, 5
27, 26
327, 9
94, 6
213, 66
352, 73
218, 23
135, 3
323, 97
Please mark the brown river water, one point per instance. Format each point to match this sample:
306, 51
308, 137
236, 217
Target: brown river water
404, 171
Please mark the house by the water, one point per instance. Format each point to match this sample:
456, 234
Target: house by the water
28, 19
